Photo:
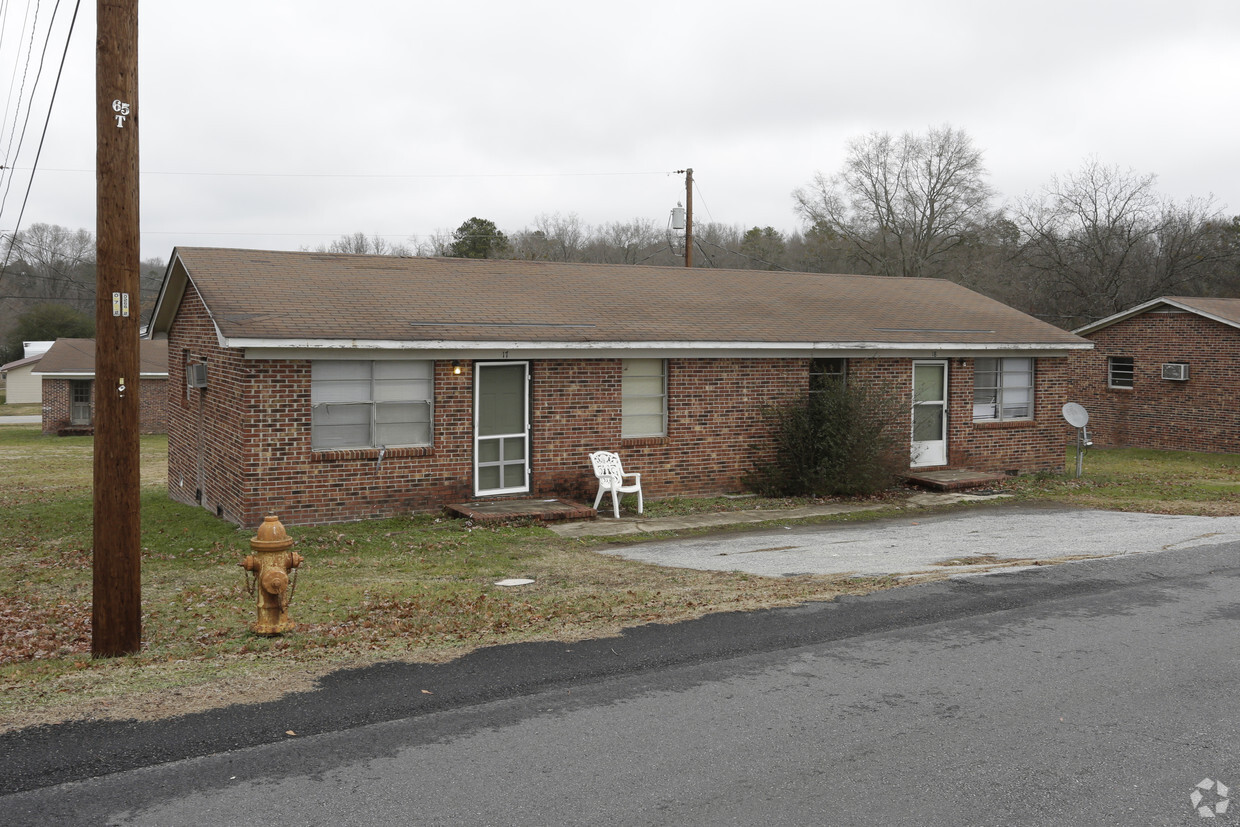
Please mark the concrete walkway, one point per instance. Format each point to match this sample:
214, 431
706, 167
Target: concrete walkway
21, 420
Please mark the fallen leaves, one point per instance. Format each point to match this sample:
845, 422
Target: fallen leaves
35, 628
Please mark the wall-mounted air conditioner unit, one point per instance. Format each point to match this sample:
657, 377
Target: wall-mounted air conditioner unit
1176, 371
196, 375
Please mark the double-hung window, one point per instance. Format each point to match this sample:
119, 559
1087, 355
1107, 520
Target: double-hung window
1119, 371
1002, 389
824, 372
643, 398
363, 404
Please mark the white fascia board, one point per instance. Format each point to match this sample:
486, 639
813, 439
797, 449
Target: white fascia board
445, 349
91, 375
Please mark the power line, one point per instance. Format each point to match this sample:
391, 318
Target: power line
8, 152
373, 175
43, 136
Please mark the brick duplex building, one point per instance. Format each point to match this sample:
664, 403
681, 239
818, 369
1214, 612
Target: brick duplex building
330, 387
1164, 374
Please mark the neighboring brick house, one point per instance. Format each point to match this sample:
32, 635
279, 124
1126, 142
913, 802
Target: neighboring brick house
1164, 374
328, 387
68, 374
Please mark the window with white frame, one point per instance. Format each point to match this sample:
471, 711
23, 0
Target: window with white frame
643, 398
364, 404
1119, 371
1002, 389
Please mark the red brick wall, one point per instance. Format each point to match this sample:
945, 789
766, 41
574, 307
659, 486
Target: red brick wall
56, 399
244, 442
152, 405
1019, 446
204, 425
1202, 414
1012, 447
714, 421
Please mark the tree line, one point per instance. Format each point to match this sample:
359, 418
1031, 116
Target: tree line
1091, 242
47, 286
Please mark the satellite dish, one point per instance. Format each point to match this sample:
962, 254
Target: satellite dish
1077, 416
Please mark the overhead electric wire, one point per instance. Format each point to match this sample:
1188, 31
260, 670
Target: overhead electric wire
742, 255
398, 175
8, 153
43, 136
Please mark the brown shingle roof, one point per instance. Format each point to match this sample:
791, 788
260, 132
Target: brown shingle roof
1226, 311
296, 296
77, 356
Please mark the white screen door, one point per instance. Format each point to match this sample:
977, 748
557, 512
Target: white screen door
929, 414
501, 429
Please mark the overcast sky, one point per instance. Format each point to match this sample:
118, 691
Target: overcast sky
284, 125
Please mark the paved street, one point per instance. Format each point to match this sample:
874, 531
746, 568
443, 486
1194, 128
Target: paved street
1099, 692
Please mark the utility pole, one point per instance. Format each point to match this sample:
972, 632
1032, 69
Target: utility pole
689, 217
117, 597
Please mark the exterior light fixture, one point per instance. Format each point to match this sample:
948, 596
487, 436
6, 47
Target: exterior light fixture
456, 367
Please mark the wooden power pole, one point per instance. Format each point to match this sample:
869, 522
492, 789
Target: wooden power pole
689, 217
117, 599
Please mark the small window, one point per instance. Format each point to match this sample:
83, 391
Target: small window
1119, 371
824, 371
360, 404
1002, 389
643, 398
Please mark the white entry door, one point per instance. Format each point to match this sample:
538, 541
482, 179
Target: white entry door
929, 414
501, 428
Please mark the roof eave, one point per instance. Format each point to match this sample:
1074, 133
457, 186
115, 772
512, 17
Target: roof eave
171, 291
256, 348
1147, 306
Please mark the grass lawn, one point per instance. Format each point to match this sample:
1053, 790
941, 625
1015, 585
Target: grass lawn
1156, 482
414, 588
418, 588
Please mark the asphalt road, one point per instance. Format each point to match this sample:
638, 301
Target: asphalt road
1089, 693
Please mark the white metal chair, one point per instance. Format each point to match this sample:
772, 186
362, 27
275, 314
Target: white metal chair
611, 478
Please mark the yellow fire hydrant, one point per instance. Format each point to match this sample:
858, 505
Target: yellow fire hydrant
270, 565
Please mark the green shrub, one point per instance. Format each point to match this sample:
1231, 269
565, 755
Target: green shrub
836, 441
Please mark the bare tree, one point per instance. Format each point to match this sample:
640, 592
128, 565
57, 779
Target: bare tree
55, 262
361, 244
555, 237
436, 244
627, 242
903, 204
1102, 239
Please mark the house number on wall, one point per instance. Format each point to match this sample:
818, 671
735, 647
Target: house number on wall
122, 112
